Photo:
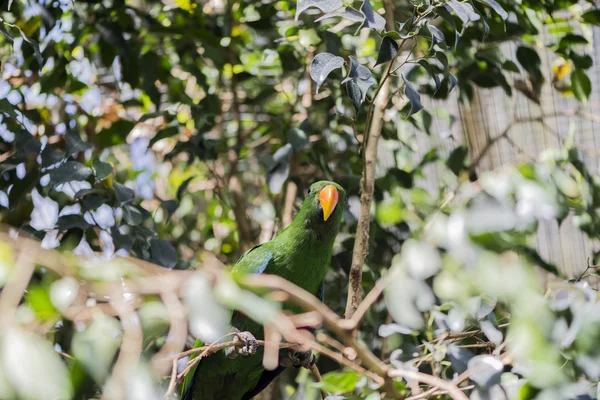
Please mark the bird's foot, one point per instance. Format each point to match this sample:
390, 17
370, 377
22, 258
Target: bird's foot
299, 359
248, 348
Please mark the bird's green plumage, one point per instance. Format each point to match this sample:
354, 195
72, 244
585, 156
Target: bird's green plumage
300, 254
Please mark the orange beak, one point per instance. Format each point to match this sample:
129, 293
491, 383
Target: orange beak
328, 197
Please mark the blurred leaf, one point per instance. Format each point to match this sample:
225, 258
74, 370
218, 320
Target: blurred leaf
464, 11
581, 61
22, 187
422, 259
74, 144
26, 356
280, 168
581, 85
308, 38
297, 138
427, 67
372, 19
591, 16
530, 61
437, 37
491, 332
183, 187
388, 50
457, 159
340, 381
69, 171
133, 216
101, 168
51, 157
26, 144
348, 13
208, 319
358, 82
114, 134
96, 346
322, 65
163, 253
497, 7
72, 221
169, 131
571, 40
326, 6
390, 329
487, 370
123, 193
413, 97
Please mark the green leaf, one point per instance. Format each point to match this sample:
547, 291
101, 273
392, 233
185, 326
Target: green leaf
169, 131
322, 65
308, 38
581, 85
101, 168
123, 193
571, 40
51, 157
26, 144
464, 11
183, 187
326, 6
297, 138
133, 216
592, 16
372, 19
7, 108
74, 144
69, 171
581, 61
26, 356
457, 159
425, 64
437, 37
388, 50
445, 14
23, 187
115, 134
496, 7
96, 346
530, 61
348, 13
413, 96
280, 168
340, 381
163, 253
511, 66
358, 82
72, 221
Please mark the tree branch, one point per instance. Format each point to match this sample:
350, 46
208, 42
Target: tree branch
367, 183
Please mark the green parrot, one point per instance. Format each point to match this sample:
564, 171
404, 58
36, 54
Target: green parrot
300, 254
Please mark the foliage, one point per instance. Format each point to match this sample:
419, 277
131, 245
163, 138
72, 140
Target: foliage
145, 128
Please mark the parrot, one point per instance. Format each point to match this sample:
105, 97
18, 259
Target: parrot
301, 253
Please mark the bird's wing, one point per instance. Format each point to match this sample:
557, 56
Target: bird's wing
267, 376
254, 261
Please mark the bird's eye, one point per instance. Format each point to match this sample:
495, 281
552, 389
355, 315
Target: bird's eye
309, 190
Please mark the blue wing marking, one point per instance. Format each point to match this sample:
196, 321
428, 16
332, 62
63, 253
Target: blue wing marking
321, 292
261, 268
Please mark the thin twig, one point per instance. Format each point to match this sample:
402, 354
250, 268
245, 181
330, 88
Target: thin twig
431, 380
318, 378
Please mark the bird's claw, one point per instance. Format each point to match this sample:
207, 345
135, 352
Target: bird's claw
299, 359
249, 347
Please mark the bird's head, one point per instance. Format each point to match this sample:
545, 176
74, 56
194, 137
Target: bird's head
323, 206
